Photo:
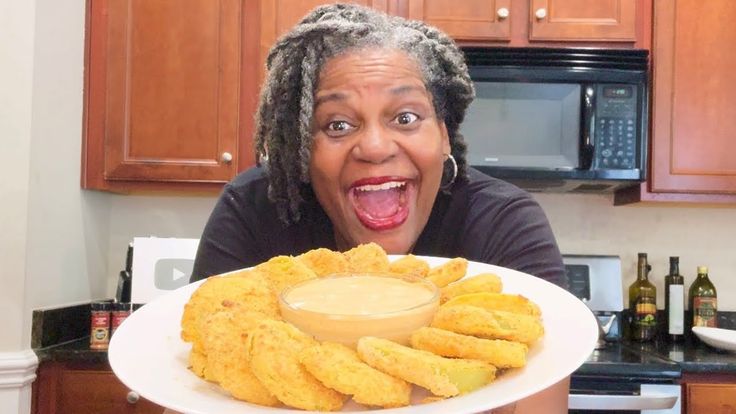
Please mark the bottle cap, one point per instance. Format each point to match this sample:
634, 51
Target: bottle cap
674, 259
702, 269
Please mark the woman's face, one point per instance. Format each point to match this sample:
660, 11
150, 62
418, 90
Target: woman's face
378, 149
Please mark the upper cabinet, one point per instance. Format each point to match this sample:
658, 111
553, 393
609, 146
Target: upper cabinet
693, 104
609, 23
165, 91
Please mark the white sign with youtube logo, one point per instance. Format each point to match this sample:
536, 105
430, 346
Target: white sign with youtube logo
160, 265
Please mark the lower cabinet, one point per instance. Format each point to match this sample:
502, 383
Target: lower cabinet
710, 394
85, 388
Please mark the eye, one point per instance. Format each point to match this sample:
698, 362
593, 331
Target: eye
406, 118
338, 128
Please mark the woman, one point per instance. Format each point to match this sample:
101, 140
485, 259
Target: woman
357, 133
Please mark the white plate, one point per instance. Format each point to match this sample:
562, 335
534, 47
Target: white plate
717, 337
149, 357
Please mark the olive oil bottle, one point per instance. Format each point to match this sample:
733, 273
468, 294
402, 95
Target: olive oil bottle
703, 300
643, 303
674, 300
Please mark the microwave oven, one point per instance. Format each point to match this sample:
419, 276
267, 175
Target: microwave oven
559, 119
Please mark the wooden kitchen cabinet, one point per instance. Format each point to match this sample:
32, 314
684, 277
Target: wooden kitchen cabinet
170, 93
471, 20
84, 388
693, 105
712, 393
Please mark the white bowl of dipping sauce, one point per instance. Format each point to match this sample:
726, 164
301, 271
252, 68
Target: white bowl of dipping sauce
346, 307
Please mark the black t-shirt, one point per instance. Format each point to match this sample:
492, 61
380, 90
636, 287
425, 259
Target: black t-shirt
485, 220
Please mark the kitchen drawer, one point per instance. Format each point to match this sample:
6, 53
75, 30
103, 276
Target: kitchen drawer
63, 387
711, 398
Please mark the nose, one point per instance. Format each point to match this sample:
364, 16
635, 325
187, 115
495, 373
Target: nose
375, 144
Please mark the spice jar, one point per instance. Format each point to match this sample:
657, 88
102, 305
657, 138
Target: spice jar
99, 336
120, 311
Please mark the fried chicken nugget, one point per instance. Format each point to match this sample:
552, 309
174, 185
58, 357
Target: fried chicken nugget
225, 333
472, 320
497, 352
340, 368
483, 282
368, 257
248, 288
497, 301
409, 264
448, 272
325, 261
273, 350
284, 271
442, 376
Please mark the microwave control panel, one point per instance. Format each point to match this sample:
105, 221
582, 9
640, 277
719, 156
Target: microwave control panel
616, 127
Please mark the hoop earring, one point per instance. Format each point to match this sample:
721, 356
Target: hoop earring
454, 172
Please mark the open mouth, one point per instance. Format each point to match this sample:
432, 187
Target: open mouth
381, 205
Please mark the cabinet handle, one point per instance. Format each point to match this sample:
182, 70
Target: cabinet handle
502, 13
226, 157
132, 397
541, 13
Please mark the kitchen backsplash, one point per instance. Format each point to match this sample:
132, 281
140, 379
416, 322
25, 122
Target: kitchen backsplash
583, 224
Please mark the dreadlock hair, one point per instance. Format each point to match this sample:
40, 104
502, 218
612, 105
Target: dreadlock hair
283, 136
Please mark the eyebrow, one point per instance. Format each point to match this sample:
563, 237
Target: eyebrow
339, 96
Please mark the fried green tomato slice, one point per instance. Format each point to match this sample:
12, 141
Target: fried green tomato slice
497, 301
483, 282
409, 265
444, 377
273, 350
497, 352
475, 321
369, 257
448, 272
324, 261
340, 368
284, 271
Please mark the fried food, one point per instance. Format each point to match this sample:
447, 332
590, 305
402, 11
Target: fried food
197, 362
490, 324
409, 264
325, 261
497, 301
284, 271
247, 288
497, 352
273, 350
442, 376
448, 272
483, 282
340, 368
225, 333
367, 258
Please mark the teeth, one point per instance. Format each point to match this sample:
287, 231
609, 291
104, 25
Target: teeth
383, 186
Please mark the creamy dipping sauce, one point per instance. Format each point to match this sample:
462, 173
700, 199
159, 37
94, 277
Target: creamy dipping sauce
347, 307
358, 295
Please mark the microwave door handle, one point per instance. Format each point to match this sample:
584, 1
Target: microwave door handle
588, 127
621, 402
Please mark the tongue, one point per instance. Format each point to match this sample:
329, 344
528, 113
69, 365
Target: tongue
379, 204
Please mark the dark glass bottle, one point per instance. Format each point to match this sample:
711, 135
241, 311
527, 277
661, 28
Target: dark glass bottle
674, 301
703, 300
643, 303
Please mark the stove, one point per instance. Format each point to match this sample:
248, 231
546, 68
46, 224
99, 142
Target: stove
618, 377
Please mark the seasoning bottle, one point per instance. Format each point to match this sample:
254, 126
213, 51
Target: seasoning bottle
99, 336
120, 311
703, 300
643, 303
674, 300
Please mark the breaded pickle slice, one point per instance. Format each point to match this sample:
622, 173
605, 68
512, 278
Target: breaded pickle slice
448, 272
483, 282
442, 376
409, 264
472, 320
497, 301
340, 368
273, 350
497, 352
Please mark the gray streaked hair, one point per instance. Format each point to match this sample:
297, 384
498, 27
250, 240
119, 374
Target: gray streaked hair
283, 132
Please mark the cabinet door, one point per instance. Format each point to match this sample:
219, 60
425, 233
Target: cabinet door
278, 16
470, 20
711, 398
586, 20
694, 98
163, 91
